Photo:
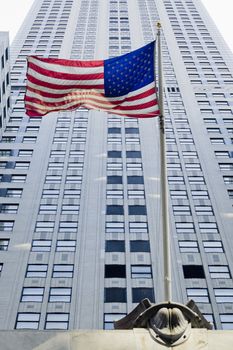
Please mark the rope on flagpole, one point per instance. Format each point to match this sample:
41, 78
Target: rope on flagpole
163, 177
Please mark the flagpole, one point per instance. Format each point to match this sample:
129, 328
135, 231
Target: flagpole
163, 178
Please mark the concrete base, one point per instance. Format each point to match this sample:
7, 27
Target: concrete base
139, 339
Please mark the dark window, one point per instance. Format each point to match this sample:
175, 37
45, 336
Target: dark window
135, 180
137, 210
114, 154
133, 154
115, 271
139, 246
193, 271
114, 131
114, 246
115, 295
141, 293
114, 179
115, 210
131, 130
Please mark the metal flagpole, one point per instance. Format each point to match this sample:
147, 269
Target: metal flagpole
163, 178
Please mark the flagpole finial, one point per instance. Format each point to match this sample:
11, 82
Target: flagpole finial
159, 25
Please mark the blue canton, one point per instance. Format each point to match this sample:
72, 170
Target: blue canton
129, 72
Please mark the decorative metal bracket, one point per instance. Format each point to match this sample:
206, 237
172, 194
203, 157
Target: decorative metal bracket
169, 323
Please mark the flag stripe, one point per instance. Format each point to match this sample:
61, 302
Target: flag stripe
67, 63
59, 86
82, 69
63, 75
51, 99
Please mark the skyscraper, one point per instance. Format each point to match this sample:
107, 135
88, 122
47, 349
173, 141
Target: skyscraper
80, 214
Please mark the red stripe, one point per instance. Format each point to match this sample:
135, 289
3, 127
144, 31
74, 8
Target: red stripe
70, 63
141, 95
62, 87
66, 76
33, 113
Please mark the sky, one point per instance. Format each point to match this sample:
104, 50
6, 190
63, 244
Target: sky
12, 14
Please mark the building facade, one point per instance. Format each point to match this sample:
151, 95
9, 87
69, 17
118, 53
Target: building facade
80, 216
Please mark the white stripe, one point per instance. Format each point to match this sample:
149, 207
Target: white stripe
51, 80
54, 91
65, 69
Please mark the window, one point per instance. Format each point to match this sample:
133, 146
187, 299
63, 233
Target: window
60, 295
135, 180
109, 320
208, 227
137, 210
219, 271
141, 271
32, 294
228, 180
14, 192
41, 245
114, 179
115, 295
196, 180
25, 152
36, 270
223, 295
185, 227
213, 246
57, 321
188, 246
6, 225
174, 180
114, 194
139, 246
199, 295
114, 154
68, 226
138, 227
18, 178
27, 320
133, 154
227, 321
115, 226
114, 246
4, 244
193, 271
115, 210
181, 209
9, 208
136, 194
44, 226
200, 194
115, 271
63, 271
204, 210
66, 245
48, 209
141, 293
22, 165
1, 266
226, 166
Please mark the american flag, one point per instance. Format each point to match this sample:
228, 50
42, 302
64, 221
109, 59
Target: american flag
123, 85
